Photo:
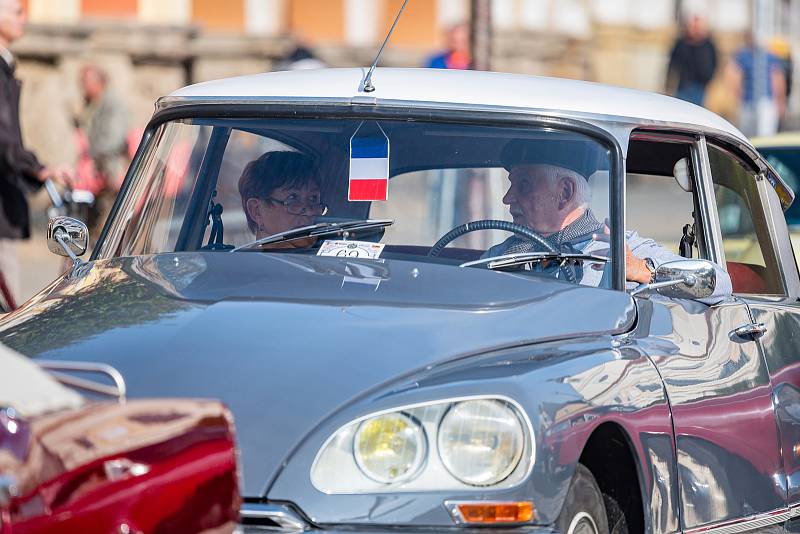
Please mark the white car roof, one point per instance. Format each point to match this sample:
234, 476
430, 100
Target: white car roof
470, 88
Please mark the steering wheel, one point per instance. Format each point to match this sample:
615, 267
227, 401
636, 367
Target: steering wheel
490, 224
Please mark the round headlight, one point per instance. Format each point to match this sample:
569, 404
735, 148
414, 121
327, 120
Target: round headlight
481, 441
390, 448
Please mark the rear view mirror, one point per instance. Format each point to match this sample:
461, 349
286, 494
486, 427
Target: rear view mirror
67, 237
683, 279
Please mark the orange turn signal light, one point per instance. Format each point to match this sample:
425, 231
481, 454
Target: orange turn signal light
492, 513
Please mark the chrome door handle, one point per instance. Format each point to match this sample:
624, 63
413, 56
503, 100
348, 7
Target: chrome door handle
8, 490
752, 330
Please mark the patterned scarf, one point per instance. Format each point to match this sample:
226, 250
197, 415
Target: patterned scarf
578, 230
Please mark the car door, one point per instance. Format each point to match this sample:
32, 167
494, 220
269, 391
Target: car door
773, 301
726, 436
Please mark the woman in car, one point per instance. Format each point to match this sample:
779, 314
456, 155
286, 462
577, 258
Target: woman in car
281, 191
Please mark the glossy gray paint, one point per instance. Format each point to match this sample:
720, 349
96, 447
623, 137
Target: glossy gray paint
726, 436
780, 345
233, 327
568, 389
783, 362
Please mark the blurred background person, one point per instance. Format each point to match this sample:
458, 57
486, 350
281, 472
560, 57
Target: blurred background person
692, 61
458, 52
756, 78
20, 170
782, 49
102, 139
301, 57
456, 184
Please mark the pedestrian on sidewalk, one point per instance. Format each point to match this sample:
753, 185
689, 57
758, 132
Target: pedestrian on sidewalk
20, 170
105, 123
756, 78
692, 62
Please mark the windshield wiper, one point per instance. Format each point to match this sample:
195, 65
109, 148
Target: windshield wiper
320, 230
523, 258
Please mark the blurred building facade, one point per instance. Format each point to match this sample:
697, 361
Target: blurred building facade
151, 47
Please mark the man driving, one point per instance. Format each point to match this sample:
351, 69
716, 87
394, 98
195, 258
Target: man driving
549, 193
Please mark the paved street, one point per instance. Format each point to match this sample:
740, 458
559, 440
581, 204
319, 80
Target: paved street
39, 266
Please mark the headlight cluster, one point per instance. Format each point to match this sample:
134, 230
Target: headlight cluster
455, 444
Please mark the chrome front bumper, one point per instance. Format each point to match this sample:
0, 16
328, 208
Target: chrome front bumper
279, 518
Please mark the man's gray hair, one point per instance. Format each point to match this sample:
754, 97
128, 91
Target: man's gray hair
553, 173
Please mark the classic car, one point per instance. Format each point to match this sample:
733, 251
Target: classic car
318, 251
72, 463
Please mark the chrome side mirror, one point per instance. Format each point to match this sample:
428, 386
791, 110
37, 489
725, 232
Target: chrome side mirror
67, 237
683, 279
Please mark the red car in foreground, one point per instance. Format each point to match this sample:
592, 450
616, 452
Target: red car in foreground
122, 467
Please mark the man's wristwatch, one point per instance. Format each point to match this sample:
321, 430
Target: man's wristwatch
651, 266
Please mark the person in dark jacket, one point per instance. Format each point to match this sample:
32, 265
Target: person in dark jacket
692, 62
20, 170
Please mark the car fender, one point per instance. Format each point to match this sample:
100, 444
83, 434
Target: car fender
568, 390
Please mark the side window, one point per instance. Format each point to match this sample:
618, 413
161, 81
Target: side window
660, 195
658, 208
751, 259
150, 219
242, 148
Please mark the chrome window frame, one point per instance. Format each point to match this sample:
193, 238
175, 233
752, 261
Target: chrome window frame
759, 167
709, 224
708, 202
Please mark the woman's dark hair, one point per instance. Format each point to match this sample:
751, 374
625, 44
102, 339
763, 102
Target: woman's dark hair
272, 170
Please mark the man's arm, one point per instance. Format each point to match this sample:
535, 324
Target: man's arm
643, 247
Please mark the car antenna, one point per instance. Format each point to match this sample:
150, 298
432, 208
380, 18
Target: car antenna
368, 87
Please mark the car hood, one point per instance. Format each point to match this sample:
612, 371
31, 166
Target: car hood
285, 340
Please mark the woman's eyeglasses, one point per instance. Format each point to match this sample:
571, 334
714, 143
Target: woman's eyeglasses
295, 206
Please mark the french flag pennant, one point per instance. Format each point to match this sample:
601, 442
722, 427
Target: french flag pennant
369, 165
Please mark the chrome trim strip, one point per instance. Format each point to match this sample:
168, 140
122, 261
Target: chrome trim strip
746, 524
455, 513
8, 490
118, 390
283, 516
576, 521
168, 102
780, 242
708, 202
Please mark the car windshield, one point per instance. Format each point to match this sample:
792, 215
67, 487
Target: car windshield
376, 189
786, 160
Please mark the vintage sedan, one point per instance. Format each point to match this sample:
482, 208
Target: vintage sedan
71, 463
411, 338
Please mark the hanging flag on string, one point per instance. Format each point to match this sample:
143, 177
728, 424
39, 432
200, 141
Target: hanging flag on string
369, 164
